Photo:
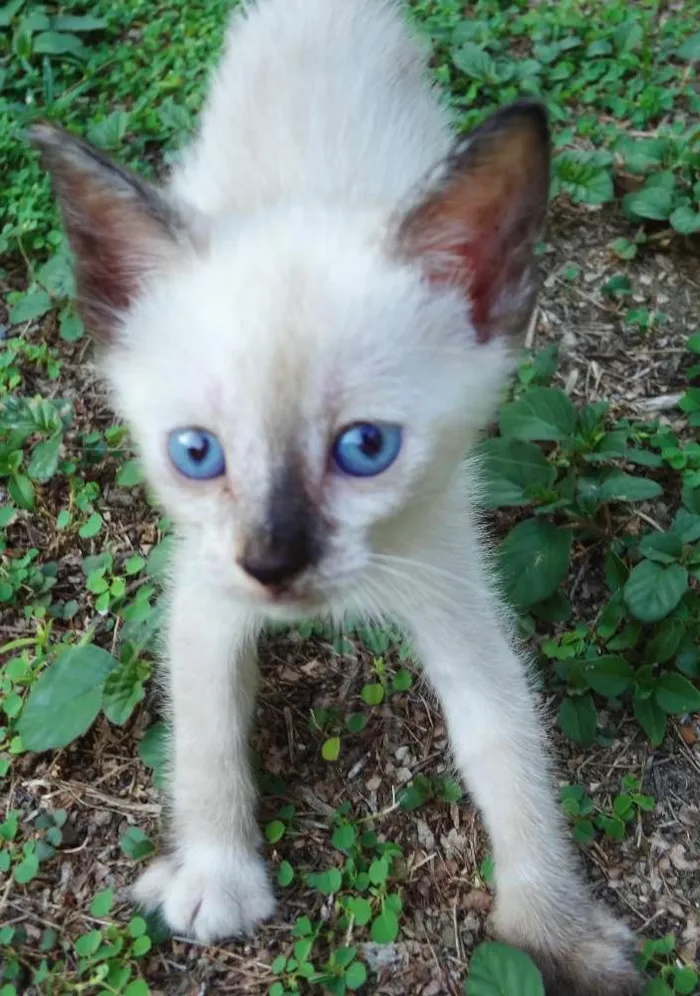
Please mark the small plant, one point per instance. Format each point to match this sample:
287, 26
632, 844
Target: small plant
614, 823
672, 976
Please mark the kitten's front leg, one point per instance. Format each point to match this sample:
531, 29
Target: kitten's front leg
213, 883
542, 903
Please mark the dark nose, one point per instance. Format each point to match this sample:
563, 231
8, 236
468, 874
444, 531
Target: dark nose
274, 566
286, 541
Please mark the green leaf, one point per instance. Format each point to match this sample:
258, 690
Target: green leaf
651, 719
534, 560
344, 837
654, 203
71, 326
690, 49
609, 676
415, 795
685, 980
7, 13
356, 975
623, 248
379, 871
285, 874
360, 909
141, 946
543, 413
21, 491
26, 870
136, 844
499, 970
402, 681
385, 927
685, 221
511, 469
66, 698
130, 474
302, 927
152, 750
691, 499
58, 43
329, 882
628, 36
330, 750
578, 718
8, 514
107, 134
44, 461
675, 694
72, 22
625, 487
32, 305
302, 948
137, 988
653, 590
123, 690
664, 548
373, 693
87, 944
275, 831
665, 641
102, 902
356, 722
91, 527
474, 62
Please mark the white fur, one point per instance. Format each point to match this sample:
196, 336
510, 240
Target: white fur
286, 319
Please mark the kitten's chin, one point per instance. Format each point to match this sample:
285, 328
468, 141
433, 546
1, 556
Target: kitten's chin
283, 606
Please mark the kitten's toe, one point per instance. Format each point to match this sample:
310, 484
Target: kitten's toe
208, 893
593, 956
150, 887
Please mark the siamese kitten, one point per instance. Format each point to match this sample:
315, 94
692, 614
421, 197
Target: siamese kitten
306, 330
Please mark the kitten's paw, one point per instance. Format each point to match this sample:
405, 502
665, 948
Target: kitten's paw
584, 957
207, 893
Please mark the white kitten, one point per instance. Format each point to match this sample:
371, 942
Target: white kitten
305, 332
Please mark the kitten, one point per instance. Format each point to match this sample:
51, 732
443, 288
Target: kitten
306, 330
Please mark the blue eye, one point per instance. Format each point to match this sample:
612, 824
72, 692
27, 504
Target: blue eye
196, 453
367, 448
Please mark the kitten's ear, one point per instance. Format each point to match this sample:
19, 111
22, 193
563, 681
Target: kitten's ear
119, 227
480, 214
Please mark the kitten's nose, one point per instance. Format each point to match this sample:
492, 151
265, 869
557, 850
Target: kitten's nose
286, 540
274, 563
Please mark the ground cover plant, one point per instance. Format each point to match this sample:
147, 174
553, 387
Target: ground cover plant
591, 490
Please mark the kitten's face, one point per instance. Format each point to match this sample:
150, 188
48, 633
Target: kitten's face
332, 389
303, 382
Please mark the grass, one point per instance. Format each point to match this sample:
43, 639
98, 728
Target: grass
597, 510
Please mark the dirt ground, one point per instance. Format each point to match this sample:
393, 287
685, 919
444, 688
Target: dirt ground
652, 878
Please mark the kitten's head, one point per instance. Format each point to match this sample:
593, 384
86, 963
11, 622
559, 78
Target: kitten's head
302, 382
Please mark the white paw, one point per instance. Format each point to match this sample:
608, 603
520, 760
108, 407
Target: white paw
585, 952
207, 892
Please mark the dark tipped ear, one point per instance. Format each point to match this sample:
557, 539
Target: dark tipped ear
120, 228
480, 214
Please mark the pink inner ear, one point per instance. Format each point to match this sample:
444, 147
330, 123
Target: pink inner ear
119, 227
478, 227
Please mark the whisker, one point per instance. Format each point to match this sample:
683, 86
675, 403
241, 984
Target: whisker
395, 559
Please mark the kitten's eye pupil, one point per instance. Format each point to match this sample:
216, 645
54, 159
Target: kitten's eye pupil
371, 440
198, 453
